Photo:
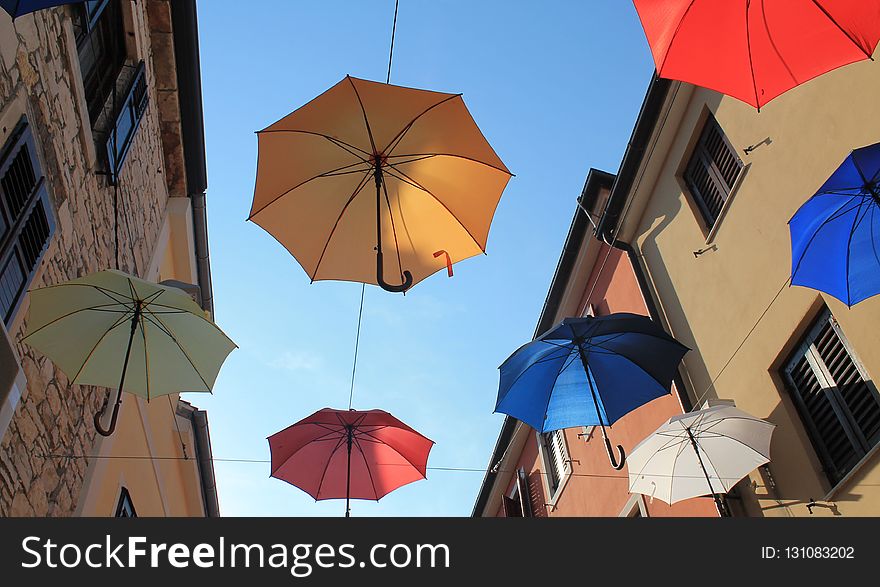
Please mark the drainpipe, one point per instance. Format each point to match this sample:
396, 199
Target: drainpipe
683, 396
206, 463
203, 261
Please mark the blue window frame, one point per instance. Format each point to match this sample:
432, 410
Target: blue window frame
131, 111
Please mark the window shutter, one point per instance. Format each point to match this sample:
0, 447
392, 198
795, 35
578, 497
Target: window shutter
511, 507
840, 410
27, 221
712, 171
554, 444
128, 119
525, 494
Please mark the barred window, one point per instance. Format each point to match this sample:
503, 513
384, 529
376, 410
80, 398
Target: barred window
26, 219
839, 408
712, 171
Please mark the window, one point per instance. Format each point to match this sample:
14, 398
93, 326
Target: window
100, 44
128, 119
840, 410
555, 457
712, 171
26, 219
125, 508
519, 504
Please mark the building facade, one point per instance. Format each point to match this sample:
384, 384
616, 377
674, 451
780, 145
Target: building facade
703, 197
102, 166
567, 472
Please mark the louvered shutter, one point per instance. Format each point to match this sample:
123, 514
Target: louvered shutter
27, 220
712, 171
525, 494
841, 411
554, 444
511, 507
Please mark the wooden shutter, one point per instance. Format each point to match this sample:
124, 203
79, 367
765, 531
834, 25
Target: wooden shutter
525, 494
27, 221
511, 507
554, 445
712, 171
839, 409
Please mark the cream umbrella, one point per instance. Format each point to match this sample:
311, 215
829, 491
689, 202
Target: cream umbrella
110, 329
699, 453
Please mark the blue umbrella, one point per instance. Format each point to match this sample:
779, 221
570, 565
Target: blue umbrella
589, 372
835, 235
16, 8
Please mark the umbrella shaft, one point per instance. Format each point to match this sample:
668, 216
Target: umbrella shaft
135, 320
350, 440
718, 504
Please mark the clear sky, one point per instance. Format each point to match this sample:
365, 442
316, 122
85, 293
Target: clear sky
555, 87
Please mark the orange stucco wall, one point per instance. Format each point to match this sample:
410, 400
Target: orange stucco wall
594, 487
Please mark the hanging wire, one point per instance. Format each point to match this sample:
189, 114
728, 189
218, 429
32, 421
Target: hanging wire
391, 52
357, 341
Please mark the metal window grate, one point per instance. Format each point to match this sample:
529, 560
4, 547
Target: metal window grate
27, 219
839, 408
712, 171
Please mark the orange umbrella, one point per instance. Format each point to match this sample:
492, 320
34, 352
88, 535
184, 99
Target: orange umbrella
436, 180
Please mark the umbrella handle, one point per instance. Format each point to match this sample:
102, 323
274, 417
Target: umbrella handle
380, 271
619, 462
109, 431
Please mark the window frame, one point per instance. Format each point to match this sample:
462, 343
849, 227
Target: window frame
114, 55
125, 505
861, 446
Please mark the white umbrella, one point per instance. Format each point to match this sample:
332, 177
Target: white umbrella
699, 453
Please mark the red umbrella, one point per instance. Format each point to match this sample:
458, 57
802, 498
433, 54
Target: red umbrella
754, 50
351, 454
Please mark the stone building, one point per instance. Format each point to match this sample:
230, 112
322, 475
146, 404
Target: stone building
102, 165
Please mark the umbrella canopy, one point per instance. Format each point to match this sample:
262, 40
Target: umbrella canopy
699, 453
351, 454
16, 8
589, 372
754, 50
110, 329
368, 167
835, 234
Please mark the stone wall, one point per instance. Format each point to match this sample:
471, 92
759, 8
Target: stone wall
55, 417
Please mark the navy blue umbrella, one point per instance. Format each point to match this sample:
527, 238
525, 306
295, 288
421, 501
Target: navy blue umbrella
16, 8
835, 235
589, 372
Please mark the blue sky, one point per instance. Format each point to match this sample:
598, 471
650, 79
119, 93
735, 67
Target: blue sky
554, 86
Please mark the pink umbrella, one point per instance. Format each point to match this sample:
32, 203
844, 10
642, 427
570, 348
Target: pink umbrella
351, 454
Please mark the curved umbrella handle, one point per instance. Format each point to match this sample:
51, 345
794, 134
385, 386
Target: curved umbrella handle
108, 431
617, 464
380, 271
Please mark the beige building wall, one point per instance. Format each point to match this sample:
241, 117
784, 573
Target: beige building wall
47, 416
711, 301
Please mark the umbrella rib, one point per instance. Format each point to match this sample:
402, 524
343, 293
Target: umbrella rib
849, 247
364, 110
121, 320
523, 372
395, 142
841, 29
751, 62
330, 173
393, 229
417, 185
357, 443
73, 313
342, 212
714, 470
565, 365
171, 335
452, 155
681, 448
327, 465
339, 143
667, 444
179, 311
674, 35
833, 216
379, 441
413, 160
146, 358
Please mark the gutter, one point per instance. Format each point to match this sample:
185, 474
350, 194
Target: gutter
184, 23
